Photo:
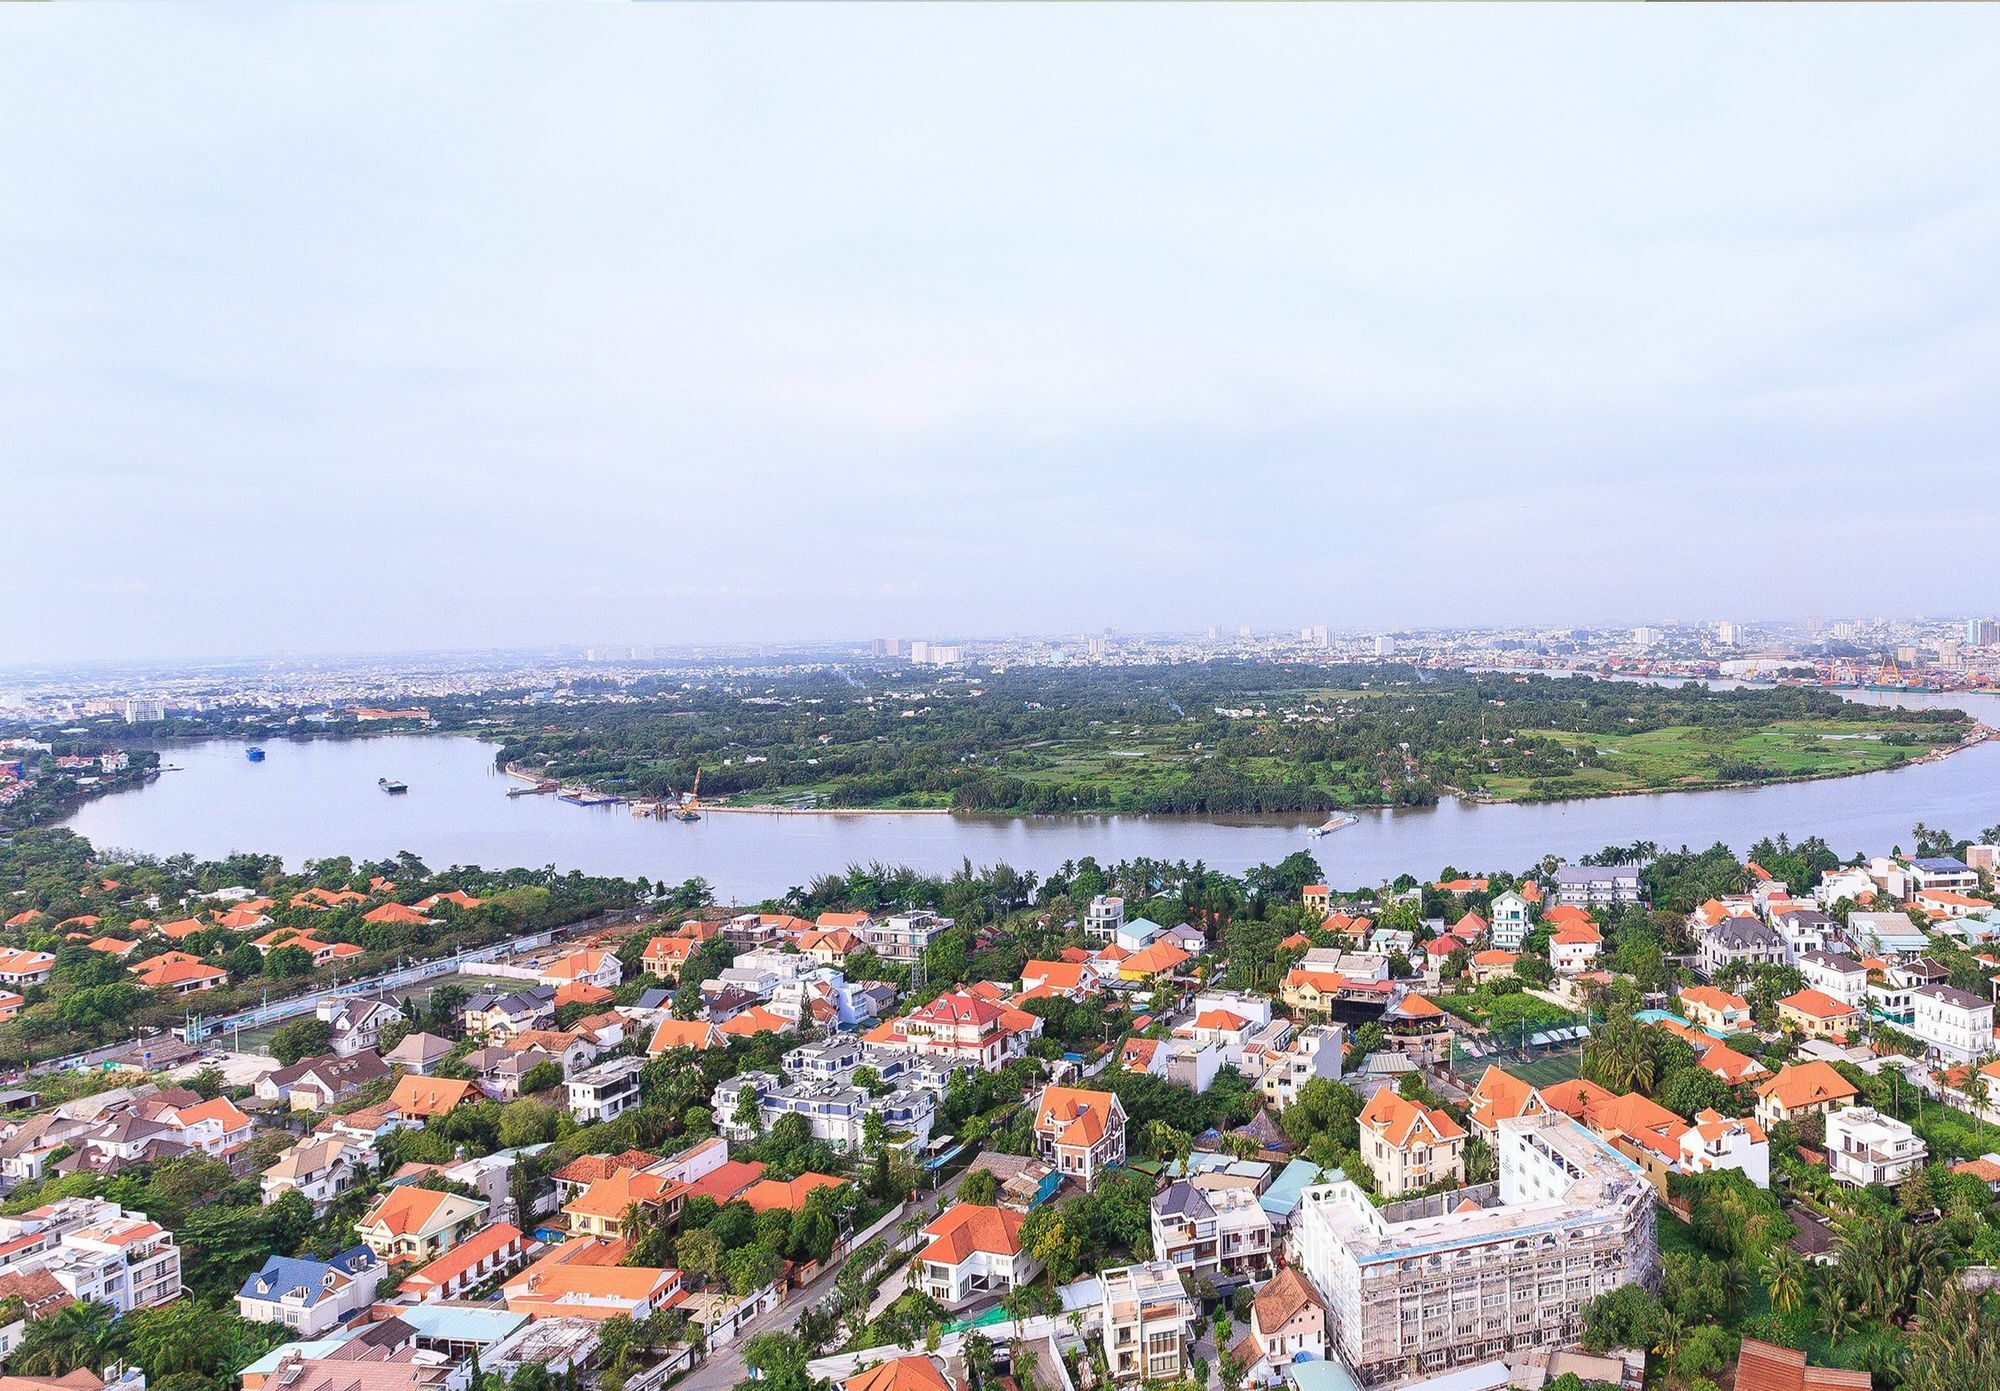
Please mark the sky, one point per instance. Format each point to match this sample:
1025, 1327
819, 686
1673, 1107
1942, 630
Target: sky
371, 328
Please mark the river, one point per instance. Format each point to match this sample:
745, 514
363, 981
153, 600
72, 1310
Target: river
317, 798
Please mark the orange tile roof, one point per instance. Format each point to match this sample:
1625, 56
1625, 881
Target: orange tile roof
175, 968
774, 1195
1807, 1084
1220, 1019
1074, 1116
1401, 1121
1499, 1095
1721, 1001
489, 1240
394, 913
1816, 1005
910, 1373
756, 1020
406, 1209
424, 1097
684, 1033
967, 1228
610, 1198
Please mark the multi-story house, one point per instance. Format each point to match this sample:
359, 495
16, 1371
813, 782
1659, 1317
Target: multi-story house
1804, 930
1716, 1142
494, 1250
1952, 1023
314, 1084
1480, 1274
1287, 1325
1802, 1089
1574, 948
1215, 1231
356, 1022
1081, 1132
969, 1030
606, 1091
1715, 1010
1590, 886
320, 1167
1147, 1321
1313, 1052
1105, 917
1887, 934
1942, 872
904, 936
1737, 939
1509, 920
1866, 1147
1836, 975
667, 957
95, 1250
837, 1111
1408, 1146
311, 1297
592, 966
1817, 1015
973, 1251
420, 1223
495, 1015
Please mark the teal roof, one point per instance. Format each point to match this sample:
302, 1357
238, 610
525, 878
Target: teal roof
1320, 1375
460, 1325
1292, 1181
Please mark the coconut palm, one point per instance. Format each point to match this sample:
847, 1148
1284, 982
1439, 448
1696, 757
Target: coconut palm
1785, 1279
84, 1334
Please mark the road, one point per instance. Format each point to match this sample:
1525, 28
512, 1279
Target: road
274, 1011
724, 1367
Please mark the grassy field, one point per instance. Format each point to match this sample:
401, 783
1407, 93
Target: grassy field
1684, 756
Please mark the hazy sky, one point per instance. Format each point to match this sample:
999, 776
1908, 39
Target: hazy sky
326, 329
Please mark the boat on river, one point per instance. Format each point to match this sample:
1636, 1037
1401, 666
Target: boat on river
393, 786
1333, 823
254, 754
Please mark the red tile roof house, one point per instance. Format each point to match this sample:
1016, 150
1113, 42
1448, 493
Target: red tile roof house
492, 1251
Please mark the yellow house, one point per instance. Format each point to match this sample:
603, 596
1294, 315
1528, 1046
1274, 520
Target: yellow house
1817, 1015
1311, 992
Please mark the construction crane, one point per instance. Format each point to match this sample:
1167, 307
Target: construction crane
690, 809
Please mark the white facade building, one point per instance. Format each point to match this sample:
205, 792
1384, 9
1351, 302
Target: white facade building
1863, 1146
1464, 1277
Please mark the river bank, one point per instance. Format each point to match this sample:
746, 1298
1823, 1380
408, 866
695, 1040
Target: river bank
317, 800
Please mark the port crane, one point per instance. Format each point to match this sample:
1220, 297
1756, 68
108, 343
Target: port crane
690, 810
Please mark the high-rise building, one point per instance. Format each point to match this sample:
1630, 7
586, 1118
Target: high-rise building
1314, 636
1729, 634
1385, 645
144, 710
1479, 1273
1645, 637
1981, 632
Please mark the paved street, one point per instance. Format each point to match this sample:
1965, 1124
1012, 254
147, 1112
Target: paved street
724, 1368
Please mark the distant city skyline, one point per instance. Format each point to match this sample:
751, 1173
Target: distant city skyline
342, 330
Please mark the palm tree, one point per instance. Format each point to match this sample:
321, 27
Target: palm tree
84, 1334
1785, 1279
1240, 1146
1169, 1143
1837, 1316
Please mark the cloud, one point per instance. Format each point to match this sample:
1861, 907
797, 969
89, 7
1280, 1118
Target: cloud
375, 327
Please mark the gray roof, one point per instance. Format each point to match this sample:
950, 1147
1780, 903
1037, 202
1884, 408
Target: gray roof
1745, 934
1833, 961
1182, 1199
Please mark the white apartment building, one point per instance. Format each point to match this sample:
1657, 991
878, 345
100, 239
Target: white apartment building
1211, 1231
1104, 919
1952, 1022
1315, 1052
1864, 1146
1836, 976
1588, 886
606, 1091
95, 1250
1473, 1275
1508, 920
1148, 1320
904, 936
837, 1111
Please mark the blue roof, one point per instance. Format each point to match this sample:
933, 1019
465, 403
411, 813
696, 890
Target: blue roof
283, 1273
1285, 1191
311, 1348
460, 1325
1323, 1375
1942, 864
